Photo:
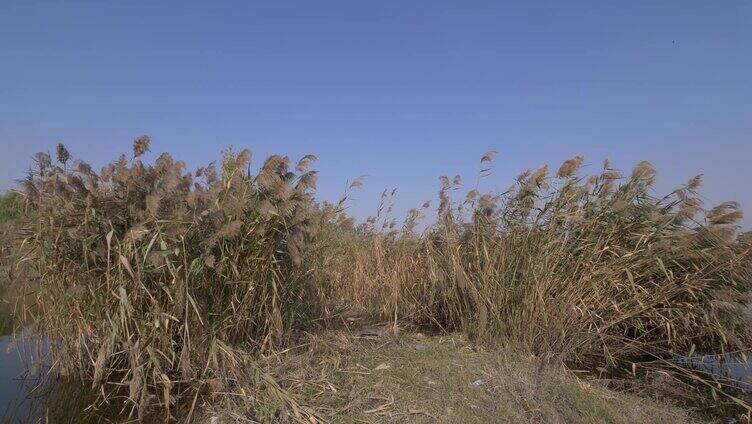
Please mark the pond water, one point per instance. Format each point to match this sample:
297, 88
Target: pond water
732, 369
27, 398
15, 383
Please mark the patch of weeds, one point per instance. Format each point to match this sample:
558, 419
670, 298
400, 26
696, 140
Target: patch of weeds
10, 208
266, 412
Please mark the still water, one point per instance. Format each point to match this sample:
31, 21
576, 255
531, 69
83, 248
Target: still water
25, 397
732, 369
15, 383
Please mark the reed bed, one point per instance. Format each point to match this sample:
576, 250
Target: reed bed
153, 279
596, 270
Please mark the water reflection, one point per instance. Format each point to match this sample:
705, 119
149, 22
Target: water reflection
27, 397
735, 370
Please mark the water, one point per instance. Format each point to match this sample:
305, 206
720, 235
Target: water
15, 383
25, 397
732, 369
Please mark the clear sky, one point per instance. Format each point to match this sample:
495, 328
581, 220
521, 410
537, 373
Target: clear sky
402, 91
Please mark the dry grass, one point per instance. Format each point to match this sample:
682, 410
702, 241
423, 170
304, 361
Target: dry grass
152, 278
596, 270
420, 379
162, 288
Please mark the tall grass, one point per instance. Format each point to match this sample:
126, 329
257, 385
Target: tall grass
10, 215
153, 277
595, 269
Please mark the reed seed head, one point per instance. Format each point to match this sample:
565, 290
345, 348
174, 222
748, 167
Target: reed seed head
62, 153
569, 167
141, 145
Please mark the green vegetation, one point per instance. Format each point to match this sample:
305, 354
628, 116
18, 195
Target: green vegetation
10, 210
166, 288
10, 214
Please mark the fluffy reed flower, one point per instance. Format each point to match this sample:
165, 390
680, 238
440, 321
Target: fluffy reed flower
538, 179
308, 180
83, 167
727, 213
488, 202
689, 207
569, 167
644, 172
43, 161
358, 182
243, 159
304, 163
62, 153
141, 145
694, 182
230, 230
488, 156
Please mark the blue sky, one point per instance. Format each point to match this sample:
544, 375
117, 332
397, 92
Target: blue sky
401, 91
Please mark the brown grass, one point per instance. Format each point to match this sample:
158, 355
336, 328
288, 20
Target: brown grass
596, 270
153, 277
414, 378
157, 284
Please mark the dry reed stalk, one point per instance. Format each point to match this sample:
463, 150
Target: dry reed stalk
596, 269
156, 272
153, 277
